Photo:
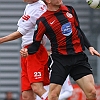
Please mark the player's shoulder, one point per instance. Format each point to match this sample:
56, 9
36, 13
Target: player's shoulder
41, 2
35, 6
34, 10
41, 19
69, 6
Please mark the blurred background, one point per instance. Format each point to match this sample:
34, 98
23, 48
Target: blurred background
10, 12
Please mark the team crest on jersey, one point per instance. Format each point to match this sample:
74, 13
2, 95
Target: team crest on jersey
66, 29
36, 27
69, 15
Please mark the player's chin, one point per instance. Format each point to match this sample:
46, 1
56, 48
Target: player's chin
59, 3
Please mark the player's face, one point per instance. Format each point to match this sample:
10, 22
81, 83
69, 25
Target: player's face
30, 1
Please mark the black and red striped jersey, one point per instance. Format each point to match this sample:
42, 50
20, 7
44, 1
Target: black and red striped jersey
63, 30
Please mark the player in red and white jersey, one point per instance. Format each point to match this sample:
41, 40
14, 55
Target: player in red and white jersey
33, 66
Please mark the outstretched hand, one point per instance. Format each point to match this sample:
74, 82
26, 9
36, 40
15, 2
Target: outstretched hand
24, 52
94, 52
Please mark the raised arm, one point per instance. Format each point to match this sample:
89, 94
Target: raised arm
10, 37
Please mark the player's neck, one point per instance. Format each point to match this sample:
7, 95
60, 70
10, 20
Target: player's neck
53, 8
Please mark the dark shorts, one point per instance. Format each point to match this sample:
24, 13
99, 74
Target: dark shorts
76, 66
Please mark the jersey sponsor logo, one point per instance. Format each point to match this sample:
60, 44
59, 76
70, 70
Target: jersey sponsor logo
66, 29
25, 17
69, 15
52, 22
37, 75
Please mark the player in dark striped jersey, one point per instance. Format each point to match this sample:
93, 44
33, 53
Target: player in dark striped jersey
60, 24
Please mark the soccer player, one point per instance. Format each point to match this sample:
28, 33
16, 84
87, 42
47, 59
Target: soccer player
60, 24
33, 66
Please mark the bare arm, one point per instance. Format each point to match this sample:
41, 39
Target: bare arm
10, 37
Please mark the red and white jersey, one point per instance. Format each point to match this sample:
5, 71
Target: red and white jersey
26, 24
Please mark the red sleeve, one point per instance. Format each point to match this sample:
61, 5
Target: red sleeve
76, 18
86, 42
38, 35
